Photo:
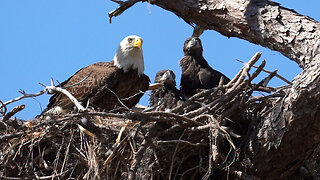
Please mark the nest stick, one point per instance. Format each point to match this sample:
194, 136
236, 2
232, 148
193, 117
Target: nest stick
4, 107
68, 94
244, 72
174, 154
264, 70
50, 88
13, 112
24, 95
10, 136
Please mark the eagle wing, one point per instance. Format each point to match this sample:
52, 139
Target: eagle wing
190, 77
209, 77
84, 84
122, 89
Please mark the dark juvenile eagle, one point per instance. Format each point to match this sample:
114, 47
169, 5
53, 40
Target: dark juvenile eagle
167, 96
119, 83
196, 72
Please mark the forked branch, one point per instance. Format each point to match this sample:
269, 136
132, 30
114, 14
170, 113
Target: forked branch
48, 89
123, 5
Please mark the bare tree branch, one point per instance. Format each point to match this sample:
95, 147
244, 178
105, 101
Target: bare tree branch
49, 89
13, 112
124, 5
277, 75
22, 97
3, 108
68, 94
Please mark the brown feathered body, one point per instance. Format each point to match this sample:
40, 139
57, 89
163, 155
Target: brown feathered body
167, 96
196, 72
103, 85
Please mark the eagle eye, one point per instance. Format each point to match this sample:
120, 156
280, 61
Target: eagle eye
130, 40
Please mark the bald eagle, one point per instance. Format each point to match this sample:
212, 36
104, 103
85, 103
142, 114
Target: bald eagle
117, 84
167, 96
196, 72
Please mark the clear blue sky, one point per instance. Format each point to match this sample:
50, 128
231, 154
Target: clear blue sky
54, 38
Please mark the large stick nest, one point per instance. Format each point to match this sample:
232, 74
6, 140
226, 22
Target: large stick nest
202, 138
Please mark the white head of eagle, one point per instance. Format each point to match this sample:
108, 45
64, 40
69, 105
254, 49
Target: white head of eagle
129, 54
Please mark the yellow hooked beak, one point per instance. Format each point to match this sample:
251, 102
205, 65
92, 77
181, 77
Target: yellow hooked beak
137, 43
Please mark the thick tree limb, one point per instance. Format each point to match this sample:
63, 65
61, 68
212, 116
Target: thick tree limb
261, 22
288, 134
258, 21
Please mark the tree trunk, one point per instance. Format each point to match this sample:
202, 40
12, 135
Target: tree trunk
285, 137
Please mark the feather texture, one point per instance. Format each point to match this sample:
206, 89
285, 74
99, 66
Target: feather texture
196, 72
106, 85
103, 85
167, 96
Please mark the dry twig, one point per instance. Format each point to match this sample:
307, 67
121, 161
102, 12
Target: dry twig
50, 89
13, 112
277, 75
123, 5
